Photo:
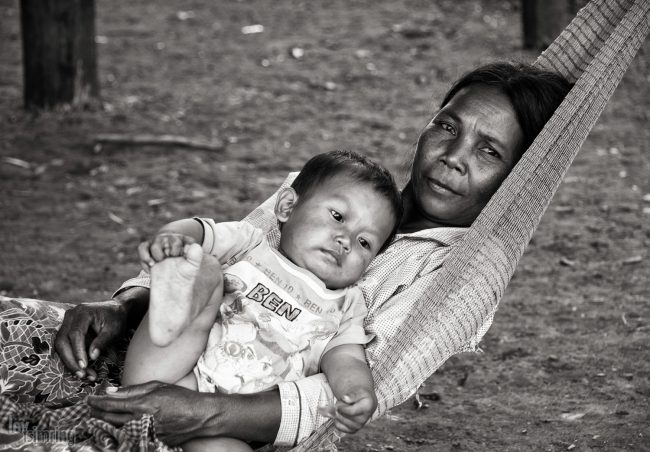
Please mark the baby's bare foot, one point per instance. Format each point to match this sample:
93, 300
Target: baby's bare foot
181, 287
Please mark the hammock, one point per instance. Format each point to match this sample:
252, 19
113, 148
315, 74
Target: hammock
594, 51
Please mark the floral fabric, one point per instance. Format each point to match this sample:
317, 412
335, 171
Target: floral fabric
30, 369
41, 403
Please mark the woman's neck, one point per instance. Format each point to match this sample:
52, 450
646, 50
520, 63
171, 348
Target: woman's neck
413, 219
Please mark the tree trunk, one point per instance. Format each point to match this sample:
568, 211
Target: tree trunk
544, 20
59, 53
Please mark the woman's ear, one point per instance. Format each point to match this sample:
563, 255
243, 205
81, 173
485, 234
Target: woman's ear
287, 200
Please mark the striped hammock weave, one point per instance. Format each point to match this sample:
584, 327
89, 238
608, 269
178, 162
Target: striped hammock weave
594, 51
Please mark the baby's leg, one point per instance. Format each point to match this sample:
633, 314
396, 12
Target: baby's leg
146, 361
216, 445
180, 288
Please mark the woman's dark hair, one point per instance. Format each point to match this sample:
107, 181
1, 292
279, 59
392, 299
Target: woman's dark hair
533, 92
356, 167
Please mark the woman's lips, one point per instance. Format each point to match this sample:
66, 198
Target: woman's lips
440, 187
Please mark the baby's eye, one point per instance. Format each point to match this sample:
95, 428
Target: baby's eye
364, 243
337, 216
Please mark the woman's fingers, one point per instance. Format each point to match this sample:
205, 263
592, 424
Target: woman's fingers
104, 336
133, 391
91, 374
122, 400
78, 341
117, 419
70, 342
64, 350
112, 404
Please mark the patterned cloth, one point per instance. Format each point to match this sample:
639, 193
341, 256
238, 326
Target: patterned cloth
33, 426
41, 402
30, 370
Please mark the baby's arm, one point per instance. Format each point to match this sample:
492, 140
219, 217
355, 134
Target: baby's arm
351, 381
170, 241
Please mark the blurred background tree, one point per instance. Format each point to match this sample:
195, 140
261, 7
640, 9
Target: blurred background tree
544, 20
59, 52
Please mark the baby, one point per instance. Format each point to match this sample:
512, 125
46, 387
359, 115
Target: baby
235, 315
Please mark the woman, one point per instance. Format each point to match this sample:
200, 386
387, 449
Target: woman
485, 122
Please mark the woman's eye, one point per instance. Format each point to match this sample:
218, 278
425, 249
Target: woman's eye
491, 152
364, 243
337, 216
447, 127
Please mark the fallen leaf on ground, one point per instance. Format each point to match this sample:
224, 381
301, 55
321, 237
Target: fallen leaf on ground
252, 29
567, 262
185, 15
572, 416
633, 260
115, 218
155, 202
17, 162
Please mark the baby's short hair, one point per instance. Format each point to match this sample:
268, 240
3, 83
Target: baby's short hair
358, 168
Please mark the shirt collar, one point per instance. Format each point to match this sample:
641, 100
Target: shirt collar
444, 235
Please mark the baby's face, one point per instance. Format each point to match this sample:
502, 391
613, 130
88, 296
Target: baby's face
336, 230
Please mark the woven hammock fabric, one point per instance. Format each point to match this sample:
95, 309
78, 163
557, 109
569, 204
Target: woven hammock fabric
594, 51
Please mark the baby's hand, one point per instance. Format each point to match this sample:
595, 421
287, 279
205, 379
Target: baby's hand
163, 245
353, 410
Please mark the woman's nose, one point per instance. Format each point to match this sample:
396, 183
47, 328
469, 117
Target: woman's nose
455, 155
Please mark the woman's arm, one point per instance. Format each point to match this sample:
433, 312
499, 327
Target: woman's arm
283, 416
182, 414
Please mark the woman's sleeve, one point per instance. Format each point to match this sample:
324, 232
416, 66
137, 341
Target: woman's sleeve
301, 398
142, 280
300, 401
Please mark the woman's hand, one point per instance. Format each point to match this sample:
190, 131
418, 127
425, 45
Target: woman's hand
179, 413
97, 323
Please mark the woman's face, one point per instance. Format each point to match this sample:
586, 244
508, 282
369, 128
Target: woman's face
464, 154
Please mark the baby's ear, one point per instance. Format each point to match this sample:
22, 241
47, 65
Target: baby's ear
287, 200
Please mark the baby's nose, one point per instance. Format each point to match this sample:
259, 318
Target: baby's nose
344, 243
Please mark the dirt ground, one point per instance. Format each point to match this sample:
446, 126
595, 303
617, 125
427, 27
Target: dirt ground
566, 365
